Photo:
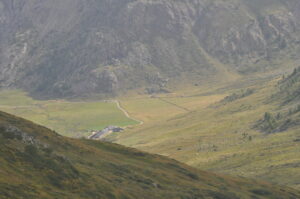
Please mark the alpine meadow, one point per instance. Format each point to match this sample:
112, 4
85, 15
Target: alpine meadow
150, 99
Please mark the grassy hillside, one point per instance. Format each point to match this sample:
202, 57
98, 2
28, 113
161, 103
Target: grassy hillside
68, 118
222, 129
35, 162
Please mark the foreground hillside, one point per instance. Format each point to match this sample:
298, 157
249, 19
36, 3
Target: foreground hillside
73, 48
38, 163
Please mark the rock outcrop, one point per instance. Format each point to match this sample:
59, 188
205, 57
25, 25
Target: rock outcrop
69, 48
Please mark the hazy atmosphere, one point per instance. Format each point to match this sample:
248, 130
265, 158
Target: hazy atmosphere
150, 99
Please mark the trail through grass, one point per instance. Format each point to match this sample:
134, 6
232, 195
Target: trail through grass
68, 118
217, 136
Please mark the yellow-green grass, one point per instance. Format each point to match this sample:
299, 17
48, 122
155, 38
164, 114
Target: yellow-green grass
154, 109
217, 136
53, 166
66, 117
191, 126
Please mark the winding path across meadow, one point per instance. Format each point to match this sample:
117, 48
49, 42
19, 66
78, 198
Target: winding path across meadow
126, 113
117, 102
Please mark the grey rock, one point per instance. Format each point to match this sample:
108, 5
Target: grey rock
55, 48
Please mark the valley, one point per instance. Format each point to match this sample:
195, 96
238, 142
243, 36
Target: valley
131, 99
70, 118
212, 128
219, 133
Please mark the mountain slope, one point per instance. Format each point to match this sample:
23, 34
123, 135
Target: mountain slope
38, 163
80, 47
286, 115
248, 128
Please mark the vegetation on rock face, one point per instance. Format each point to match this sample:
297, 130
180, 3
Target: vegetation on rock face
288, 97
239, 95
290, 87
41, 164
279, 123
268, 123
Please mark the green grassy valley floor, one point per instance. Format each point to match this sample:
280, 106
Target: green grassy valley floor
203, 130
73, 119
208, 127
36, 162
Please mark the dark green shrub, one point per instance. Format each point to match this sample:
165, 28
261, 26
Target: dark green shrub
31, 150
239, 95
261, 192
54, 180
48, 151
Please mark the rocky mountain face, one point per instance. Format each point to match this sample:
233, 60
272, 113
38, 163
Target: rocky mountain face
54, 48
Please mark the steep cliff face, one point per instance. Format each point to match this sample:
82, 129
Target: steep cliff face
76, 47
